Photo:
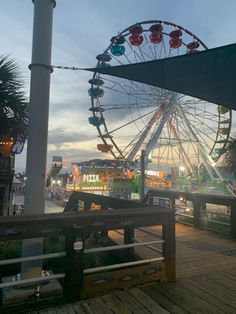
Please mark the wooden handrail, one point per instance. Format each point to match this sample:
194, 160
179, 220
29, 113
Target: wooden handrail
206, 198
31, 258
105, 202
75, 225
121, 265
30, 281
199, 201
29, 226
120, 247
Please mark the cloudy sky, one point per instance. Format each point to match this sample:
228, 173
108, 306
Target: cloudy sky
82, 30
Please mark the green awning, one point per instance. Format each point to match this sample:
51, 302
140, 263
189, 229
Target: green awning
209, 75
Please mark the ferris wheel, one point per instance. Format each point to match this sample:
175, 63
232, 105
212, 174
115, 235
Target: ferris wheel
175, 130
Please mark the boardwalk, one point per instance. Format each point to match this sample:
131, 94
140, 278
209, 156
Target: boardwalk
206, 281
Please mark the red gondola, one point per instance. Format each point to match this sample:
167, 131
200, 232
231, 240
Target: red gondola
193, 45
176, 33
156, 38
136, 40
175, 43
136, 30
104, 148
156, 28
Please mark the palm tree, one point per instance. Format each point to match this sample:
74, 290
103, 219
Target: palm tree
13, 105
13, 125
230, 155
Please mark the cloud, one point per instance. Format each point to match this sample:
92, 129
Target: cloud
59, 137
81, 31
75, 155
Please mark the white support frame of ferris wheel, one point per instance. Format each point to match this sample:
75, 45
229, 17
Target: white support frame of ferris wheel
206, 157
139, 143
154, 138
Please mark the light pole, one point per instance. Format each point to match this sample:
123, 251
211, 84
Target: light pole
142, 174
38, 125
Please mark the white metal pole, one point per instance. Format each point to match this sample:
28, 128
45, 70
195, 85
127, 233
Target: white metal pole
39, 106
38, 123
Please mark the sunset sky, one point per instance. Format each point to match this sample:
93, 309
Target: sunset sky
81, 31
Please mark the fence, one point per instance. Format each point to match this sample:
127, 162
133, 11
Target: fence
198, 213
78, 281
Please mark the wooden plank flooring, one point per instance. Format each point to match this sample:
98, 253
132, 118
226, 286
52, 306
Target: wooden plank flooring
206, 280
199, 251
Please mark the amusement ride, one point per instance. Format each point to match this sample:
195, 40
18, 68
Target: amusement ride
183, 137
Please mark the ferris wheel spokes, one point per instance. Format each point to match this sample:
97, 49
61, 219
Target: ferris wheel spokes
180, 146
143, 136
166, 112
208, 162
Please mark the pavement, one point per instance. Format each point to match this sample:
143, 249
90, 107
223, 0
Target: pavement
51, 206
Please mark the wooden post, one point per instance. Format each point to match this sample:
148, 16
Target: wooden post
197, 212
104, 233
168, 235
129, 238
233, 220
172, 202
87, 205
203, 206
73, 287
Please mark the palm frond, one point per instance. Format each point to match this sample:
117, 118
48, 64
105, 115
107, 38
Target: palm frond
13, 104
230, 155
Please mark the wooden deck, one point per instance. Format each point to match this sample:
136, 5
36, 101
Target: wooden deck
206, 280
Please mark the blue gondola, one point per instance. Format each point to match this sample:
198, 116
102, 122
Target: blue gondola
117, 50
95, 92
95, 121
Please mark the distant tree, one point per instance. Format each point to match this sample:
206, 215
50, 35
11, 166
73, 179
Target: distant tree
13, 105
230, 155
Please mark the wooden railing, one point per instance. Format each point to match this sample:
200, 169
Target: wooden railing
200, 202
76, 280
85, 201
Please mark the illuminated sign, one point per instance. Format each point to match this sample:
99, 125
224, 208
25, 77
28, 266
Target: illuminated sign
81, 187
160, 174
90, 178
